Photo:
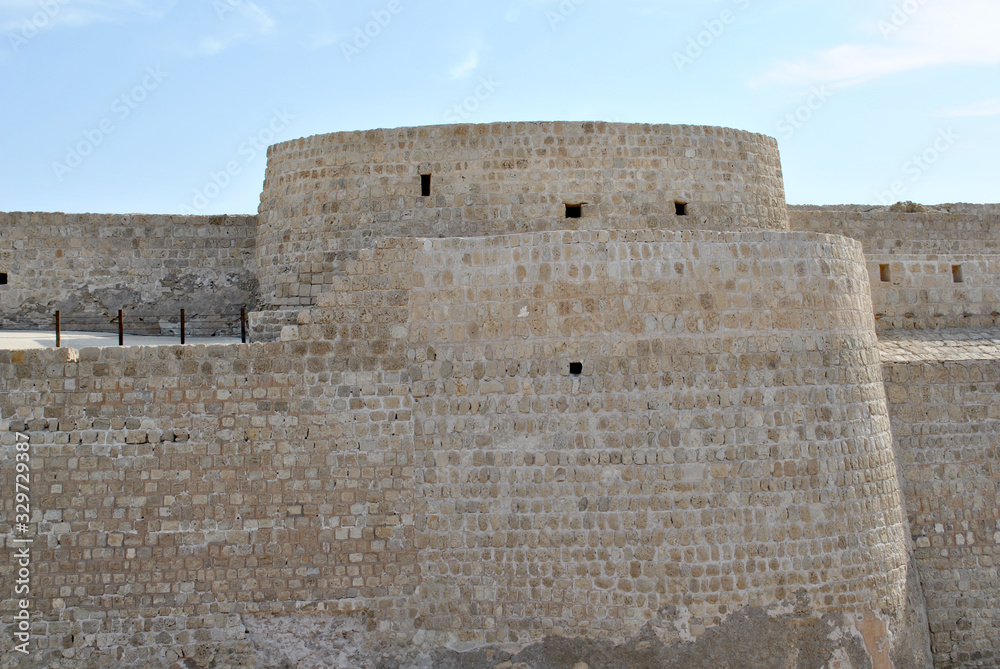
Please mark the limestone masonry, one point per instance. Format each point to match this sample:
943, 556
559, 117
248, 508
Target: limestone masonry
520, 395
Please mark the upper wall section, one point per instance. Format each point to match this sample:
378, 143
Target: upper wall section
947, 228
327, 194
88, 266
930, 267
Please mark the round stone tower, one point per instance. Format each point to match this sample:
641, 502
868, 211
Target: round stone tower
328, 195
622, 396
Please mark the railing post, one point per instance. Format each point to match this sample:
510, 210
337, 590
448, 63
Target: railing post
58, 330
121, 327
182, 327
243, 324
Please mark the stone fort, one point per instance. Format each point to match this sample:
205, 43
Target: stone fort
517, 396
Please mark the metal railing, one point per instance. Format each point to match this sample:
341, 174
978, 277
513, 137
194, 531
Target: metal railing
104, 324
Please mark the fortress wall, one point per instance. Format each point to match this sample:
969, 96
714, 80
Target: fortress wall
422, 468
186, 498
944, 229
725, 447
946, 424
929, 270
88, 266
326, 196
924, 292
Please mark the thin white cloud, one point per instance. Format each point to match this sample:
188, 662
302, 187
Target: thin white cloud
984, 108
465, 68
323, 39
660, 10
956, 32
246, 22
209, 46
17, 14
325, 29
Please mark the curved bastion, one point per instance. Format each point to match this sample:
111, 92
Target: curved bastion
609, 425
326, 196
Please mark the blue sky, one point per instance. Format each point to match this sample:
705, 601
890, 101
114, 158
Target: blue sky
157, 106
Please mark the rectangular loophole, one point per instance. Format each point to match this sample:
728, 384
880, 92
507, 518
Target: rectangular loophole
576, 368
883, 273
3, 278
425, 185
574, 211
680, 208
956, 274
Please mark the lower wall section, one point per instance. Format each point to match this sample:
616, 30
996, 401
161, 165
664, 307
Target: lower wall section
753, 638
676, 452
946, 424
177, 492
218, 506
664, 475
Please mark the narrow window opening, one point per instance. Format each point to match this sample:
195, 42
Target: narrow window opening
576, 368
883, 273
574, 211
3, 278
425, 185
956, 274
680, 208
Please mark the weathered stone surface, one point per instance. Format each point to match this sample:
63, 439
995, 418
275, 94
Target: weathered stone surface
951, 345
455, 481
307, 641
753, 638
476, 432
88, 266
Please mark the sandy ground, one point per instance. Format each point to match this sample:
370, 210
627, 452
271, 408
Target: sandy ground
21, 340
